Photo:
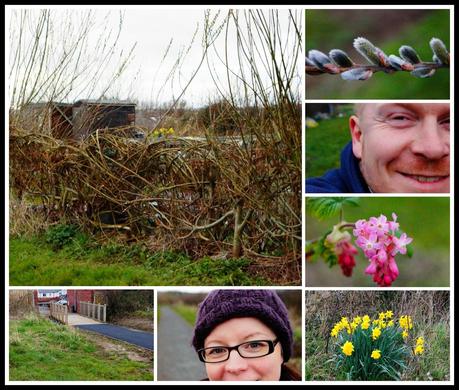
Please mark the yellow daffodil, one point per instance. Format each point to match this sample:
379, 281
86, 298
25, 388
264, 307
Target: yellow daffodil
419, 350
376, 333
390, 323
405, 334
405, 322
348, 348
365, 324
376, 354
353, 326
420, 341
389, 314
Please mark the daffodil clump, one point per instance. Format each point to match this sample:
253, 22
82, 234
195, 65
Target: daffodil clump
163, 132
374, 349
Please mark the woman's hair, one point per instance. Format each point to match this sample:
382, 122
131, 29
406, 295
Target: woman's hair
289, 373
265, 305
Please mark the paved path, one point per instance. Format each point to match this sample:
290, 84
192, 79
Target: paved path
177, 359
75, 319
132, 336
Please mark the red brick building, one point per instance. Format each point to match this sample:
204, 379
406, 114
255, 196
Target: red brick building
74, 297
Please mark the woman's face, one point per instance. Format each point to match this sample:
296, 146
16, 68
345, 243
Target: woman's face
237, 368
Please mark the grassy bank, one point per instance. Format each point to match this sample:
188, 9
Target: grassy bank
81, 261
42, 350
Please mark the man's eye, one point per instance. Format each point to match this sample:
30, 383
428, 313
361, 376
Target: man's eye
445, 123
400, 120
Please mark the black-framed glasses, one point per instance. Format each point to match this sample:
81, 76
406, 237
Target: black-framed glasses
249, 350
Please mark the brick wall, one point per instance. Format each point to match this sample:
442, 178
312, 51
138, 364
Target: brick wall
74, 297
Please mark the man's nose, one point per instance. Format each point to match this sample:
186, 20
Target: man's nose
431, 140
236, 363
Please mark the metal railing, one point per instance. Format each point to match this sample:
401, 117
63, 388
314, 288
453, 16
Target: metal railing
59, 312
94, 311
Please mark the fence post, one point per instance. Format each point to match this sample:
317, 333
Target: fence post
105, 313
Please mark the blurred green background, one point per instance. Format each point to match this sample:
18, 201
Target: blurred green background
425, 219
325, 142
388, 30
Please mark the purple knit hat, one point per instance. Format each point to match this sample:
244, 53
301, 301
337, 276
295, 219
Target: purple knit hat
265, 305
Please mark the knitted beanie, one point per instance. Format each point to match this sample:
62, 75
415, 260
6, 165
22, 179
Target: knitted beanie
265, 305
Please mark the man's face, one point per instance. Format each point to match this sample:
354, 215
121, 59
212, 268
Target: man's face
403, 147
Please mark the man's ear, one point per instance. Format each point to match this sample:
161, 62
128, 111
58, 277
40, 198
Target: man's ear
356, 134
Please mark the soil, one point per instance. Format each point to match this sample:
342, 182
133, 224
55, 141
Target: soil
120, 348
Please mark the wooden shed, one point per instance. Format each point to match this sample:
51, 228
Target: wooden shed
90, 115
53, 118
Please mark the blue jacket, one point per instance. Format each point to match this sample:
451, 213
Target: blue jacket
346, 179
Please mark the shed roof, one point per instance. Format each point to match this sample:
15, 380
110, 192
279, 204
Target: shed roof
104, 102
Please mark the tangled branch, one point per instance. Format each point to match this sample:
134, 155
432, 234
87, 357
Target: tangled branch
338, 61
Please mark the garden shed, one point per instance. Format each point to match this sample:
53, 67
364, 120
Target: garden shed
90, 115
53, 118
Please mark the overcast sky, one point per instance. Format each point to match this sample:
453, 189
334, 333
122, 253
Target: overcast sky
153, 29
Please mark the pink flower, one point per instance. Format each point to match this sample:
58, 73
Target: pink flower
393, 225
372, 268
369, 245
376, 237
400, 244
379, 225
392, 268
360, 228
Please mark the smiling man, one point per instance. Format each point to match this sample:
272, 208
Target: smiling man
395, 148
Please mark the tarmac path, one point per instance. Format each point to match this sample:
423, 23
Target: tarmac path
176, 358
132, 336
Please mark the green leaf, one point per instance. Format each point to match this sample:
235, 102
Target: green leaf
409, 250
322, 207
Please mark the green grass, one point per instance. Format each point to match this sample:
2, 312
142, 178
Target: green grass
143, 314
187, 312
42, 350
432, 365
324, 144
317, 366
324, 32
83, 262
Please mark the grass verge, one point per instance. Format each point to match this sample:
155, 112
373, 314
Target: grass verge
187, 312
42, 350
83, 262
